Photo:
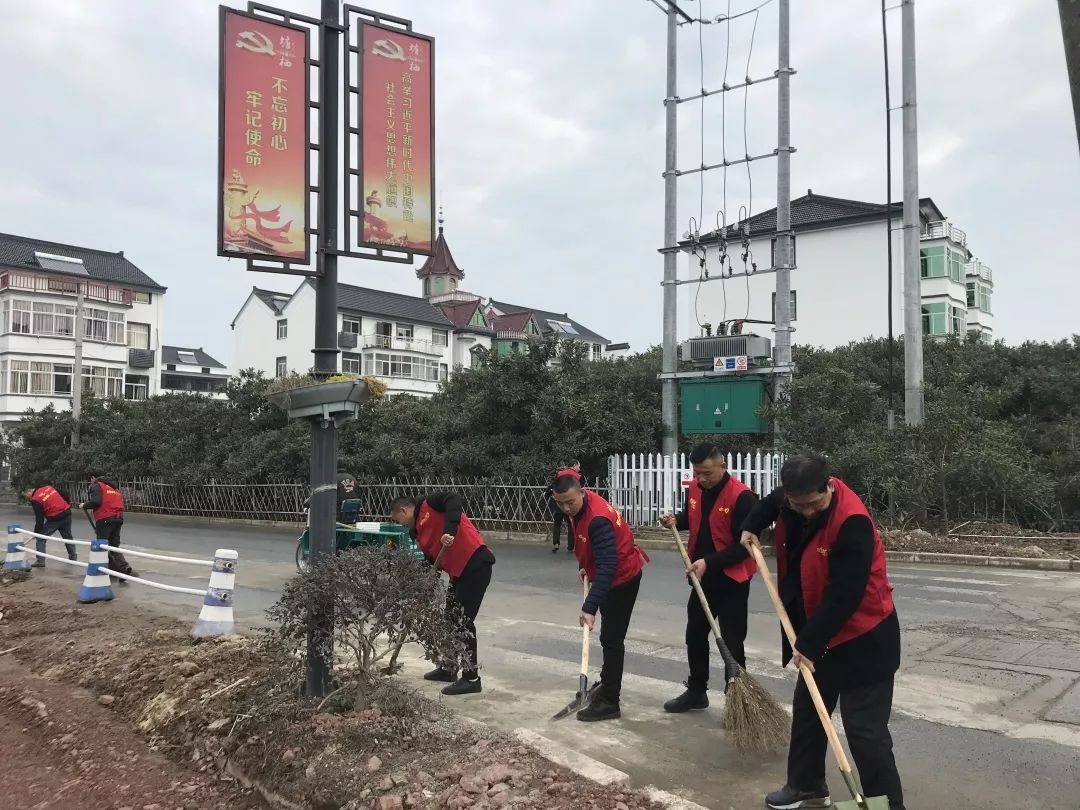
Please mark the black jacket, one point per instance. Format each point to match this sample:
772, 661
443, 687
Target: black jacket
863, 660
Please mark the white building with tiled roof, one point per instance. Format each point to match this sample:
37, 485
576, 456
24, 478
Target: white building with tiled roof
840, 289
122, 330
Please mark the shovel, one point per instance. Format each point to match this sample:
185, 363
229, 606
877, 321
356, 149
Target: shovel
859, 801
582, 695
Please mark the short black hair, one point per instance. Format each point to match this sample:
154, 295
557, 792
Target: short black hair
804, 475
704, 451
565, 483
401, 503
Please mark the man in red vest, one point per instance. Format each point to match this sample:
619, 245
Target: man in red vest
716, 506
52, 513
609, 557
437, 521
108, 504
558, 518
831, 577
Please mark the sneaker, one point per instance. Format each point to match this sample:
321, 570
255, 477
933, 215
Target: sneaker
463, 686
440, 674
789, 798
687, 701
600, 708
38, 564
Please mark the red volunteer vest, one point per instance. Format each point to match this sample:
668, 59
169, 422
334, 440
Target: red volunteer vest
630, 558
719, 524
52, 502
112, 504
431, 526
877, 602
568, 471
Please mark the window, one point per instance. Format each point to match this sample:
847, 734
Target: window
383, 364
281, 367
956, 265
427, 288
478, 319
96, 324
20, 376
971, 293
41, 379
934, 319
282, 329
440, 337
959, 320
384, 332
933, 262
404, 331
984, 299
138, 335
141, 297
103, 382
136, 387
794, 307
21, 317
597, 351
350, 363
350, 326
44, 318
117, 334
444, 372
62, 379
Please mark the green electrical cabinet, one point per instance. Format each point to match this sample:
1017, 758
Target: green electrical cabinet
727, 404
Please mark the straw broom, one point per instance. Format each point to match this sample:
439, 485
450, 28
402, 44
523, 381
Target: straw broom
752, 715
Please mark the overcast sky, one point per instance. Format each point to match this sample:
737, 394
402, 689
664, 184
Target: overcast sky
550, 144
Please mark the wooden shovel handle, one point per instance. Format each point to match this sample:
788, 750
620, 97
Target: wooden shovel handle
585, 632
440, 555
808, 676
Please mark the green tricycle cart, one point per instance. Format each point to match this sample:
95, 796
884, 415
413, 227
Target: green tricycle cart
361, 534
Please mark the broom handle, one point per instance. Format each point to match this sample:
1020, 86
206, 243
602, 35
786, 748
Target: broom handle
808, 676
725, 653
585, 632
441, 554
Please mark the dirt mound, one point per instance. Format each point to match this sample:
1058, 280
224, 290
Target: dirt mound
1016, 544
230, 709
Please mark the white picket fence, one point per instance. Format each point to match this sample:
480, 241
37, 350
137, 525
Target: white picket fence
645, 486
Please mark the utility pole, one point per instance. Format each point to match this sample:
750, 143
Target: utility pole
913, 336
324, 431
76, 369
670, 386
782, 330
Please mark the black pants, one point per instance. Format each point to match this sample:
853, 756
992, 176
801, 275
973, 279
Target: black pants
468, 591
728, 603
865, 711
614, 622
109, 530
61, 524
558, 520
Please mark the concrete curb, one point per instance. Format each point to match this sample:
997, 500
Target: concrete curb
917, 557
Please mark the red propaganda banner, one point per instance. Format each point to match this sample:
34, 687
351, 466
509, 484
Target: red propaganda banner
263, 158
397, 140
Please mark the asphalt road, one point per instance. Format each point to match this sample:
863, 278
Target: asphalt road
987, 709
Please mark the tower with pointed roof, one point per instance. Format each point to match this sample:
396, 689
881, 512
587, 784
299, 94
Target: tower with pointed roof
440, 274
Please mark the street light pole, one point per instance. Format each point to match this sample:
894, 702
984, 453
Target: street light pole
670, 386
324, 431
913, 333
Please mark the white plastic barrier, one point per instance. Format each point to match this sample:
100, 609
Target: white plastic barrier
216, 615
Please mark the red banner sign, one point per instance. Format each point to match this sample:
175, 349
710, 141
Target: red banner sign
397, 141
263, 159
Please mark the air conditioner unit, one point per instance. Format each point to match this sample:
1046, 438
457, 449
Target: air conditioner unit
702, 351
347, 340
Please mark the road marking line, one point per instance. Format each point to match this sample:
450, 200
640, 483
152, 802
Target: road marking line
957, 580
944, 589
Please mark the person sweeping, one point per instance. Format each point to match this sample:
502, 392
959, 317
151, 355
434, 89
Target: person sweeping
716, 506
833, 584
608, 556
438, 524
52, 513
107, 503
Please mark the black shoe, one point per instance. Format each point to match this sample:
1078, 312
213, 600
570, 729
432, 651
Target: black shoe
38, 564
687, 701
73, 558
555, 550
789, 798
600, 708
463, 686
440, 674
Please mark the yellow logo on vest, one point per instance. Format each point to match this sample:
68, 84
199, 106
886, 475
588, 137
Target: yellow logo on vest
824, 552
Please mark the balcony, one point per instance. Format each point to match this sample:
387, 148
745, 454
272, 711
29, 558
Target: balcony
509, 334
92, 290
455, 297
401, 344
141, 358
977, 268
944, 229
